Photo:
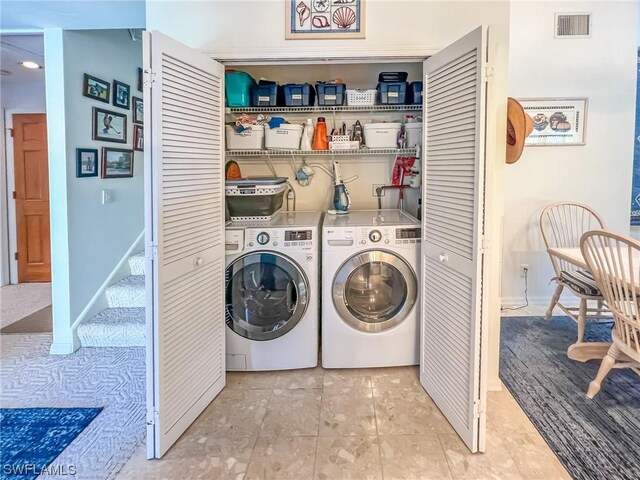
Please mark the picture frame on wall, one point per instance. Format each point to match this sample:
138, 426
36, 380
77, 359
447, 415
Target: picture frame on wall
109, 126
86, 162
138, 110
121, 94
138, 138
556, 121
116, 163
324, 19
140, 79
95, 88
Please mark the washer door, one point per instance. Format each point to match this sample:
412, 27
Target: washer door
266, 295
374, 290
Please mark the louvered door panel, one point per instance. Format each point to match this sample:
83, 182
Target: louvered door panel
453, 213
185, 168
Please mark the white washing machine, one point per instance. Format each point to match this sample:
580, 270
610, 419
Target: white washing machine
370, 289
272, 290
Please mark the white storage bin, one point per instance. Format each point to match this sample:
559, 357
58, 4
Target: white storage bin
361, 97
250, 139
381, 135
414, 134
285, 137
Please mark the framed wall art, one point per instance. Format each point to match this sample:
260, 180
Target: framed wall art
109, 126
329, 19
121, 96
117, 163
95, 88
140, 79
86, 162
138, 110
556, 121
138, 138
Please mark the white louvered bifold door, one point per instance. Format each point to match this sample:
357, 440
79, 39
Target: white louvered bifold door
184, 165
451, 364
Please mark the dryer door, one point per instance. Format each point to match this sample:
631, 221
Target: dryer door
374, 291
266, 295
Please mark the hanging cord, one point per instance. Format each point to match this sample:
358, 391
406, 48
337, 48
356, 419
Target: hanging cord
526, 290
291, 194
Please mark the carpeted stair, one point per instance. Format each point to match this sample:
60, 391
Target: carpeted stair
123, 323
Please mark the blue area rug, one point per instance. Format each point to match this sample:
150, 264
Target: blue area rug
594, 439
32, 438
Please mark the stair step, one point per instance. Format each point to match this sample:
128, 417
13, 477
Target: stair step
127, 293
136, 263
114, 327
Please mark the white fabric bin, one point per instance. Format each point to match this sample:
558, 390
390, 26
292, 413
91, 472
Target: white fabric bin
250, 139
414, 134
381, 135
285, 137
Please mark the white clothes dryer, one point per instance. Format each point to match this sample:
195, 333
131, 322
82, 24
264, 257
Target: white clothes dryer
370, 289
272, 290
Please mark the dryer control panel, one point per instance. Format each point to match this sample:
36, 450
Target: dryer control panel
387, 236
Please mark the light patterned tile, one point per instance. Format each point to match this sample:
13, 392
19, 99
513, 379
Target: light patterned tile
396, 377
293, 412
413, 457
495, 463
533, 457
305, 378
348, 458
343, 381
251, 380
349, 412
282, 458
504, 415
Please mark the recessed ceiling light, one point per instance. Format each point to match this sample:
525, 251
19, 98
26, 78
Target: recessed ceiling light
29, 64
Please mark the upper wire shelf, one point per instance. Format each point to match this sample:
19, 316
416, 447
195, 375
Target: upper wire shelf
325, 109
304, 153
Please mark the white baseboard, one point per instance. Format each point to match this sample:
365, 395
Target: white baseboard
99, 300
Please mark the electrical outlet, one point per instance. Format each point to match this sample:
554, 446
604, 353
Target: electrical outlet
374, 187
524, 269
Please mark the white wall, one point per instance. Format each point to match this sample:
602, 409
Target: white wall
603, 69
27, 96
93, 237
251, 30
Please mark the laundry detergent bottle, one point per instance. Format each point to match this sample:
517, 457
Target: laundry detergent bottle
320, 141
307, 136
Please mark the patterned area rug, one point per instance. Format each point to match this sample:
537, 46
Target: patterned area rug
594, 439
32, 438
110, 377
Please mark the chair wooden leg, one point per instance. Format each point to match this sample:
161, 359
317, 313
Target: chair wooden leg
605, 367
554, 301
582, 320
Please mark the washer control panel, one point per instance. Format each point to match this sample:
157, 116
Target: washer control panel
387, 236
281, 238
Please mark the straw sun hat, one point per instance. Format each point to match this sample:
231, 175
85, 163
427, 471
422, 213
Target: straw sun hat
519, 126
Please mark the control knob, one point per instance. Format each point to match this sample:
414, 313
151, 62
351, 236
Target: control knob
375, 236
263, 238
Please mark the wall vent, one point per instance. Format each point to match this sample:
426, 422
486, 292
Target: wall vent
573, 25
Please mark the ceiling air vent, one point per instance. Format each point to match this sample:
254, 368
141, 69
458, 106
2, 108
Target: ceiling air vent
573, 25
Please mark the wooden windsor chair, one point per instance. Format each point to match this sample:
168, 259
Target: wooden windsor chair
562, 225
614, 260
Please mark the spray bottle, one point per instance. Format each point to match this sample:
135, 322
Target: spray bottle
307, 136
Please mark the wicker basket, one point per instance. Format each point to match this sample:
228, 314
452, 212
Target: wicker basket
365, 98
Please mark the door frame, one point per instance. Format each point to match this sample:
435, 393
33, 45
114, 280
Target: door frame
11, 186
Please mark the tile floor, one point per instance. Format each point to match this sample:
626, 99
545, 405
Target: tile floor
344, 424
21, 300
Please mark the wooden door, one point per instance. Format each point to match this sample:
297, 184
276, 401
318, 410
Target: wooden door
184, 218
32, 197
453, 351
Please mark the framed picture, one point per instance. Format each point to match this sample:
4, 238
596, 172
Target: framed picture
86, 162
556, 121
117, 163
329, 19
139, 79
138, 138
109, 126
138, 110
95, 88
121, 94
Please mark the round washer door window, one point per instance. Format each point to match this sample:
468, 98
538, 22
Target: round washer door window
266, 295
374, 291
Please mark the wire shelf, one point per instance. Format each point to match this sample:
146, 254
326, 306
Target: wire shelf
323, 109
316, 153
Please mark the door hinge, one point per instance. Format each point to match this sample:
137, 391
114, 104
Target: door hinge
485, 244
148, 77
151, 251
478, 409
487, 72
13, 194
152, 417
15, 256
10, 130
